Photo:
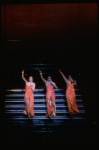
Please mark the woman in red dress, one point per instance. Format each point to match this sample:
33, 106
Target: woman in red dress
70, 94
29, 97
50, 96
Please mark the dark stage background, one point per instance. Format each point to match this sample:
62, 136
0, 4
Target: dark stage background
63, 34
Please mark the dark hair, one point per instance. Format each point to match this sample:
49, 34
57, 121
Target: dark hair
49, 76
69, 75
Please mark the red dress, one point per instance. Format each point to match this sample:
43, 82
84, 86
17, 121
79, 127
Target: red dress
29, 96
50, 94
70, 94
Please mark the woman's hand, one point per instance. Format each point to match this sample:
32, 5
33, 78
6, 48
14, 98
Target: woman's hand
59, 70
23, 71
40, 72
23, 76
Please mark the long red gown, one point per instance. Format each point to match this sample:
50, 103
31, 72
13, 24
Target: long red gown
29, 96
50, 93
70, 94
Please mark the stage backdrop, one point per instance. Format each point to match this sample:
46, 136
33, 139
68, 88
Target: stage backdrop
49, 21
62, 33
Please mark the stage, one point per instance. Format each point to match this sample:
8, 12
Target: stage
82, 129
49, 37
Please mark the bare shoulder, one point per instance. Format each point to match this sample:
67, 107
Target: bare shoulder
33, 83
46, 83
68, 81
27, 83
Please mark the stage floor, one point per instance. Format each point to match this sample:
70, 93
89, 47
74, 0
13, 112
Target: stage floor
73, 133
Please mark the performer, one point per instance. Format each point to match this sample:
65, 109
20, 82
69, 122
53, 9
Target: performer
50, 96
70, 94
29, 97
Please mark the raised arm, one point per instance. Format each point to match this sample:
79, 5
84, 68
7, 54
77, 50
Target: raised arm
23, 76
42, 77
66, 80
